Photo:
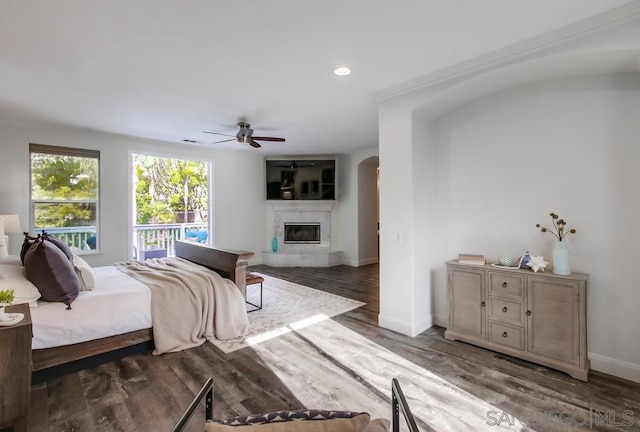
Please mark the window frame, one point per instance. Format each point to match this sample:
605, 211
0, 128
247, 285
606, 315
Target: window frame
73, 152
168, 155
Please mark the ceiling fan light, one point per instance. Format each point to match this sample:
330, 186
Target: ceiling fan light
342, 71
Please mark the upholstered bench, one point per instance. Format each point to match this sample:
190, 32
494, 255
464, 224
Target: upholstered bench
253, 279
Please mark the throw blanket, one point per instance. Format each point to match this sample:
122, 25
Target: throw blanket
189, 303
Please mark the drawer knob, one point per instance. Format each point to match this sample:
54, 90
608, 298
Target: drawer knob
504, 334
504, 309
483, 304
528, 313
504, 284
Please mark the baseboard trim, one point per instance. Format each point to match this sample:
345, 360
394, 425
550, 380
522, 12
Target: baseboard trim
611, 366
405, 327
360, 263
368, 261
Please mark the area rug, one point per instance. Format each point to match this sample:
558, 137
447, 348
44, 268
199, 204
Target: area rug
286, 306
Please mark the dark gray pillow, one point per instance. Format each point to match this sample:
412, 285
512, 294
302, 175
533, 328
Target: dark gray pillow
49, 269
61, 244
28, 242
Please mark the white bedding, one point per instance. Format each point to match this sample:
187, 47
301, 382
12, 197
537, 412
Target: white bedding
119, 304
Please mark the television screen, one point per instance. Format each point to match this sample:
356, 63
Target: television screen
301, 179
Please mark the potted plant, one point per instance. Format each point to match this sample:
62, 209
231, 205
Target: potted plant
6, 298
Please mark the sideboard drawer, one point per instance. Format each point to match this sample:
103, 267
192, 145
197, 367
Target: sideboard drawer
506, 334
506, 310
506, 285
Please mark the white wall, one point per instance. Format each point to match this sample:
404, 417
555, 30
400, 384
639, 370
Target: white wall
399, 286
568, 146
502, 141
238, 185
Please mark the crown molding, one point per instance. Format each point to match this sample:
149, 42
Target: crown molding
511, 53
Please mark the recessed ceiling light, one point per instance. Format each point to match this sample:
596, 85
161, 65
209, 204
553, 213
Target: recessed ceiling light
342, 71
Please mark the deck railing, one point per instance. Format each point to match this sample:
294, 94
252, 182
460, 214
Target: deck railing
163, 236
76, 237
145, 237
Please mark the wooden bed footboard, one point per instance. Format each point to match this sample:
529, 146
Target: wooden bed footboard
231, 264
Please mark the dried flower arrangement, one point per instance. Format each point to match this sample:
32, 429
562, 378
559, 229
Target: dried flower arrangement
558, 229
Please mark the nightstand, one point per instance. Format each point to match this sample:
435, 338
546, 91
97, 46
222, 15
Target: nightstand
15, 370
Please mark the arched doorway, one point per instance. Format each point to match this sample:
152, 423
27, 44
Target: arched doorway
368, 214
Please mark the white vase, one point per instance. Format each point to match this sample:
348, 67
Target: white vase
561, 259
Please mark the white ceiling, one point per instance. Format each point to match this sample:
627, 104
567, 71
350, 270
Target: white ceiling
169, 69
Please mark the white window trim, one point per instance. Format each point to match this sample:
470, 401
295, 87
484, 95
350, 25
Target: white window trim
66, 151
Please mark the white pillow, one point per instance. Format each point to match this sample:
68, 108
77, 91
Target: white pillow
3, 241
11, 260
85, 274
12, 277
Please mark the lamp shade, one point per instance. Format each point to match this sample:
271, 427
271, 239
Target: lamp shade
11, 223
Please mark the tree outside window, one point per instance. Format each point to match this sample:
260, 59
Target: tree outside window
65, 194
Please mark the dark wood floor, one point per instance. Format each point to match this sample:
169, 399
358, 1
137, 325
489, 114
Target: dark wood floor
343, 363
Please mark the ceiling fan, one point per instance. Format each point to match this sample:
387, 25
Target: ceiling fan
245, 135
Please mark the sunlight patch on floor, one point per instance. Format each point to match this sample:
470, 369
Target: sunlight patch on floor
336, 368
297, 325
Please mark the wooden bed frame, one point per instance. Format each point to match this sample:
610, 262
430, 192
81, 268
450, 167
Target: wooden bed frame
228, 263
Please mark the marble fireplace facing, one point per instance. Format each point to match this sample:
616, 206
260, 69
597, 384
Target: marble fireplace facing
303, 230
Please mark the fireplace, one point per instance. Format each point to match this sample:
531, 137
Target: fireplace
302, 232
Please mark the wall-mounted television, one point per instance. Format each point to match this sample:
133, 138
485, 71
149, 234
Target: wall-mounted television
301, 179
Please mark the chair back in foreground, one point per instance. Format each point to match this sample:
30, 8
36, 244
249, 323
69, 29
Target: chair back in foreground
399, 404
302, 420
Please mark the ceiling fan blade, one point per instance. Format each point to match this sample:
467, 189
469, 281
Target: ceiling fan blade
254, 144
268, 139
218, 142
217, 133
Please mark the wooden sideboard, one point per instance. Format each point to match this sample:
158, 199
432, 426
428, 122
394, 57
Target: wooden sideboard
539, 317
15, 370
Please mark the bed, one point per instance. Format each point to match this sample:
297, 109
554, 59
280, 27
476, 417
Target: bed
120, 302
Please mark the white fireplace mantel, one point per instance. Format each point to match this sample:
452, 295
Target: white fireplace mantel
302, 205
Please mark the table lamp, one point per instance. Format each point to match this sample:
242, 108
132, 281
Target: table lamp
11, 225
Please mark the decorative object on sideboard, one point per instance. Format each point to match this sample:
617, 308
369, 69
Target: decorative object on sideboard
524, 260
505, 261
537, 263
561, 259
474, 259
9, 224
560, 251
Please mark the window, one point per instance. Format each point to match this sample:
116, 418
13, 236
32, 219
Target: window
65, 194
171, 201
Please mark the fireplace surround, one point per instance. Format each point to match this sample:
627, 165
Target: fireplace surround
303, 232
